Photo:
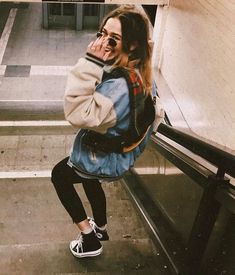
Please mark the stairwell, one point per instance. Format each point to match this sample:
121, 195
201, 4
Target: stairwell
35, 229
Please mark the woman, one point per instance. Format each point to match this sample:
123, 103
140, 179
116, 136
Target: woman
106, 99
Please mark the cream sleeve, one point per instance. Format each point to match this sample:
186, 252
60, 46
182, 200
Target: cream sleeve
84, 107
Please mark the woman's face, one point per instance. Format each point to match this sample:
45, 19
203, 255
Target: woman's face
113, 29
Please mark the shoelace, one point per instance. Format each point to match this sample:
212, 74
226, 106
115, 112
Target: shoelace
92, 224
79, 243
94, 227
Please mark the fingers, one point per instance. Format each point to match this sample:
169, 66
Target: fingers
96, 45
90, 44
106, 55
98, 42
98, 48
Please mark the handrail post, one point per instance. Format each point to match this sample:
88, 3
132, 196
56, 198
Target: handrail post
204, 223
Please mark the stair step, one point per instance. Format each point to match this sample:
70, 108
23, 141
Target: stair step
30, 211
36, 127
31, 110
33, 152
35, 229
127, 257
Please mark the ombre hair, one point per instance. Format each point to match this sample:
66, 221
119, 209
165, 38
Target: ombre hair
135, 32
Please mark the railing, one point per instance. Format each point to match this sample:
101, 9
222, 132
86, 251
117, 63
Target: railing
225, 161
216, 193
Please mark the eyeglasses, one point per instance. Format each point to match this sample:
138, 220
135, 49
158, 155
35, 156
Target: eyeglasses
111, 41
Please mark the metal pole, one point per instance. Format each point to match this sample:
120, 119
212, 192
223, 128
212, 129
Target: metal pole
204, 223
45, 15
79, 16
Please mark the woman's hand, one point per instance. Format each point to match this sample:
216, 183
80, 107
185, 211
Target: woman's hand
100, 49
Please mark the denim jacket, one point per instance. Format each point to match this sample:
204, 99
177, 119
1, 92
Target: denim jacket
102, 106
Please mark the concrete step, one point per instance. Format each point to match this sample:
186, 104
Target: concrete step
31, 110
30, 211
35, 127
121, 257
33, 152
35, 231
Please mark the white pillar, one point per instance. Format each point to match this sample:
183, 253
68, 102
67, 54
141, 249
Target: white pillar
158, 33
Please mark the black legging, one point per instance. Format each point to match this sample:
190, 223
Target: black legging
63, 177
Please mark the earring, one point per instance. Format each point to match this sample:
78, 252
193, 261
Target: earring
132, 55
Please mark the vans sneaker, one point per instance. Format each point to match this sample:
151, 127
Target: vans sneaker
87, 245
102, 235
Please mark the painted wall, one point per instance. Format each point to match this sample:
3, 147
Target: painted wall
195, 52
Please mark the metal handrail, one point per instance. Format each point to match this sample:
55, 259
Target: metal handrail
222, 159
216, 192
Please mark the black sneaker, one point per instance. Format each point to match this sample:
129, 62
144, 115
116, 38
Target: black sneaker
102, 235
87, 245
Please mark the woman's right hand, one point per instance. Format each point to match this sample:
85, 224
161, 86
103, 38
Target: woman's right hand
99, 49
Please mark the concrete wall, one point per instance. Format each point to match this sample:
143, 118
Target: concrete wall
195, 53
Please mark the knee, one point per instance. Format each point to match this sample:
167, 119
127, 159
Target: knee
58, 172
56, 175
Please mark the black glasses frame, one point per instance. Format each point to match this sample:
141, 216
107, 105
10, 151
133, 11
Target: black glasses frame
111, 41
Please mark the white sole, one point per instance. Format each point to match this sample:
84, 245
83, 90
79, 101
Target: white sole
86, 254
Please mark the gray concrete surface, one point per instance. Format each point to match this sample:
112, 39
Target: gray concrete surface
29, 44
32, 88
31, 110
33, 152
35, 231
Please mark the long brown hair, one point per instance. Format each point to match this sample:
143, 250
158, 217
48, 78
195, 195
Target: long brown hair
135, 31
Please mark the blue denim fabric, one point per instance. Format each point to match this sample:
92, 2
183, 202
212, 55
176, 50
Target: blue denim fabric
102, 165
